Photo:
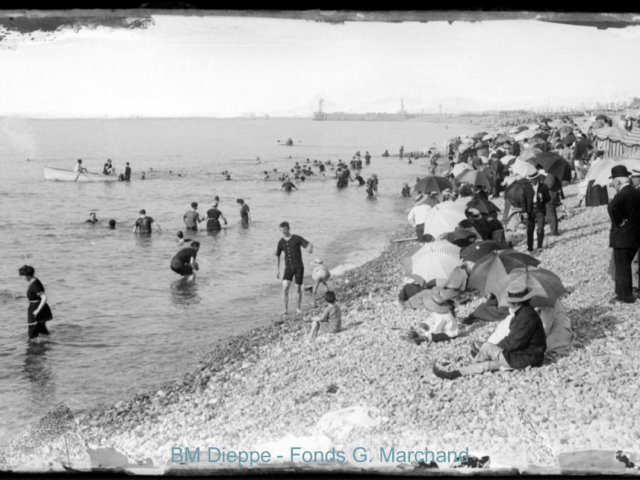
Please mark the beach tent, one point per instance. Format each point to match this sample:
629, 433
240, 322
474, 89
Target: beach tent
616, 141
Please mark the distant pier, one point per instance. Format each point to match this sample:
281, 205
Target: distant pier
361, 117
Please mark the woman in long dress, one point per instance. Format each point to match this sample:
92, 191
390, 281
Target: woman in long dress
213, 216
39, 311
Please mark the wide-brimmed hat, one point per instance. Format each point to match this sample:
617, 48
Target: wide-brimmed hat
519, 292
619, 171
436, 302
473, 213
533, 176
635, 173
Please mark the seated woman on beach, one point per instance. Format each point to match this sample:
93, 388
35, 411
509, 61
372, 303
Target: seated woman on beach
518, 342
331, 320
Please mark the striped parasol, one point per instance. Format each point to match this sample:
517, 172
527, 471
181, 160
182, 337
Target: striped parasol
546, 285
496, 265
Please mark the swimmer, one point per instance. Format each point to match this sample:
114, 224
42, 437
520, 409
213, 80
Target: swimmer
288, 185
184, 262
227, 177
112, 224
92, 218
181, 238
142, 176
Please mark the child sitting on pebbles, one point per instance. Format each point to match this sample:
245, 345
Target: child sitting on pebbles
331, 321
442, 325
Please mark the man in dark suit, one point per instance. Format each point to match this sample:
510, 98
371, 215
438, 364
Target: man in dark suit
518, 342
498, 176
534, 205
624, 238
554, 186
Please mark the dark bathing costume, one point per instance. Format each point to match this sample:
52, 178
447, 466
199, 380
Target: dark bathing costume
244, 213
144, 224
293, 257
45, 314
213, 223
180, 261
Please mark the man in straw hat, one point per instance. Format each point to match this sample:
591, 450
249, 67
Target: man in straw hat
534, 205
518, 342
624, 238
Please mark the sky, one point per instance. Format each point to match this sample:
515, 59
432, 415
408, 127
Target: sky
233, 66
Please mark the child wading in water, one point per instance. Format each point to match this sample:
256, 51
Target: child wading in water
331, 321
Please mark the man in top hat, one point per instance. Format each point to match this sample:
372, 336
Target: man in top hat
534, 205
418, 214
518, 342
624, 238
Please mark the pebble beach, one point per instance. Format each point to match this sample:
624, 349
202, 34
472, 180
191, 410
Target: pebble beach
269, 389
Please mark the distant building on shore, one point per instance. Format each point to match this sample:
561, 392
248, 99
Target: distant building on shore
362, 117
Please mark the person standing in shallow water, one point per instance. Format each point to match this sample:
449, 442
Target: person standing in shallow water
192, 218
290, 245
144, 223
213, 214
39, 311
245, 215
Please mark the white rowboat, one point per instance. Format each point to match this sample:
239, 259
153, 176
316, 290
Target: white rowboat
70, 176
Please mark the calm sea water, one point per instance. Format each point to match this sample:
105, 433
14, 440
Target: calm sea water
123, 321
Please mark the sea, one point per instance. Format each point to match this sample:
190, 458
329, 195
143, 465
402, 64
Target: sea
123, 321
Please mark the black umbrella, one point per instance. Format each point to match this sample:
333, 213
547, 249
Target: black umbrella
543, 135
483, 206
479, 135
515, 193
602, 117
545, 120
554, 165
432, 184
569, 139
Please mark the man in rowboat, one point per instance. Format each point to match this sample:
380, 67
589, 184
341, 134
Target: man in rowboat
79, 168
108, 168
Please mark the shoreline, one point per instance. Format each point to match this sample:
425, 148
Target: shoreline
267, 389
